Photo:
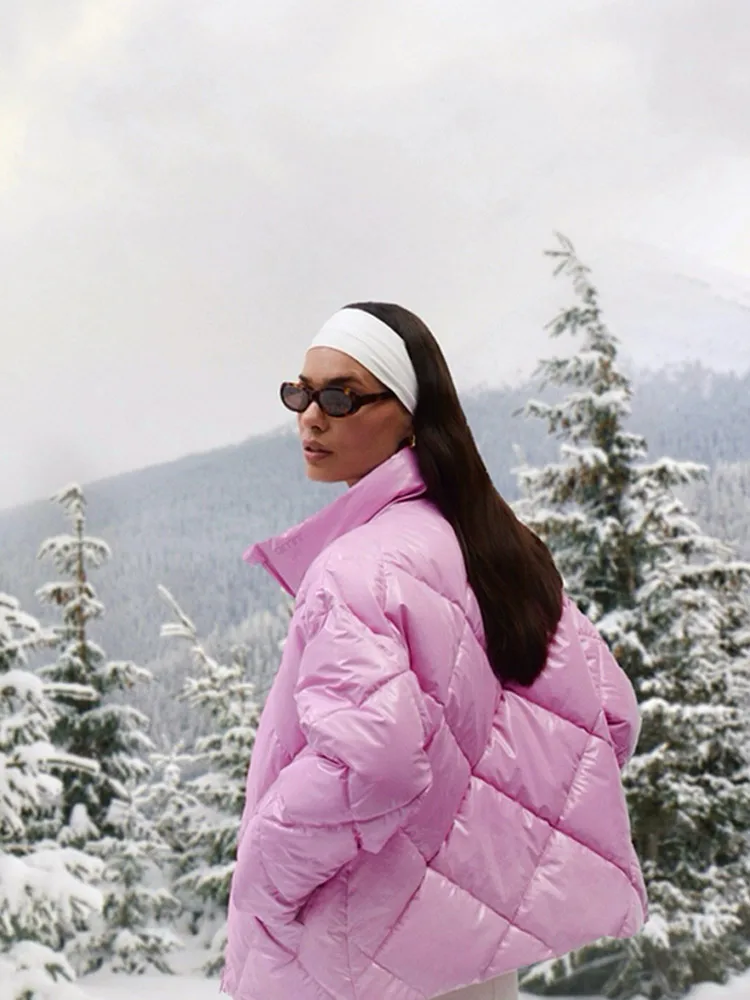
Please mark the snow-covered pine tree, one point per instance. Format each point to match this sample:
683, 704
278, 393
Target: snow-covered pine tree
99, 811
579, 504
212, 800
674, 608
169, 801
113, 734
44, 888
689, 787
135, 930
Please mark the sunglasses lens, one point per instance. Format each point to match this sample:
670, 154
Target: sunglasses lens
335, 402
294, 397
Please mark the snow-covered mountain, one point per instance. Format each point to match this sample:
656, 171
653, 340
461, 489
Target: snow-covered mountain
672, 308
667, 308
185, 524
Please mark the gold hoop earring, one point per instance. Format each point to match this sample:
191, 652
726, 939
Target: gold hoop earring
413, 441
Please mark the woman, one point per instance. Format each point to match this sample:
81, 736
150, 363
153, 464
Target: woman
434, 798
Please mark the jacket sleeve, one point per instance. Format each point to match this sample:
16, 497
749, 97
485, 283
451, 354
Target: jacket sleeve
620, 704
364, 765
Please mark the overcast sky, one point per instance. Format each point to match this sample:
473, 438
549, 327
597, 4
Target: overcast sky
188, 189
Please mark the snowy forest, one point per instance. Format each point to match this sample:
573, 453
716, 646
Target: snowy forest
124, 748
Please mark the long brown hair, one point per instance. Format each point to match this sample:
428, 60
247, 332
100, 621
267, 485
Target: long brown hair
511, 571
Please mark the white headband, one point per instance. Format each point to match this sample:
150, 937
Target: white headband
376, 346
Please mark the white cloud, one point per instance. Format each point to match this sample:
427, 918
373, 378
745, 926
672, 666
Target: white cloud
49, 48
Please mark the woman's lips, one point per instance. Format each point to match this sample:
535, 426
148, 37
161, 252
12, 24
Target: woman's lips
315, 452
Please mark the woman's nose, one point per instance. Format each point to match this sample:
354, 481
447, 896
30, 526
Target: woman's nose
313, 417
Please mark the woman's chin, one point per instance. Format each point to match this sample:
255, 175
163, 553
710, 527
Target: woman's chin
319, 474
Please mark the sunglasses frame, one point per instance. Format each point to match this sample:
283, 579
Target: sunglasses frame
357, 399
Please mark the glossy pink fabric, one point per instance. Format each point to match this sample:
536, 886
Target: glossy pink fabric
411, 826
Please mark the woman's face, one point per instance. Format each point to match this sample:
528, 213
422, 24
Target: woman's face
353, 445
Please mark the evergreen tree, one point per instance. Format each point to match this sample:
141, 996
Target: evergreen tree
99, 811
172, 805
131, 935
674, 609
44, 887
205, 810
113, 734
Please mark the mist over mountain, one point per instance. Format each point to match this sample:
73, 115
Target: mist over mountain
669, 310
185, 524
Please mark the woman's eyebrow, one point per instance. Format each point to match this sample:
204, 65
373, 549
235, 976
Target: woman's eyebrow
339, 380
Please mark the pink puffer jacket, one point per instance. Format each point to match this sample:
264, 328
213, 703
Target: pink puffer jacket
412, 826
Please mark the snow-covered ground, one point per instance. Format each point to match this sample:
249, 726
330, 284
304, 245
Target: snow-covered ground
188, 983
106, 986
738, 989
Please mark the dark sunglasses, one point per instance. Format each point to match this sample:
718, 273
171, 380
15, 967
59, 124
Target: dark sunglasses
334, 401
